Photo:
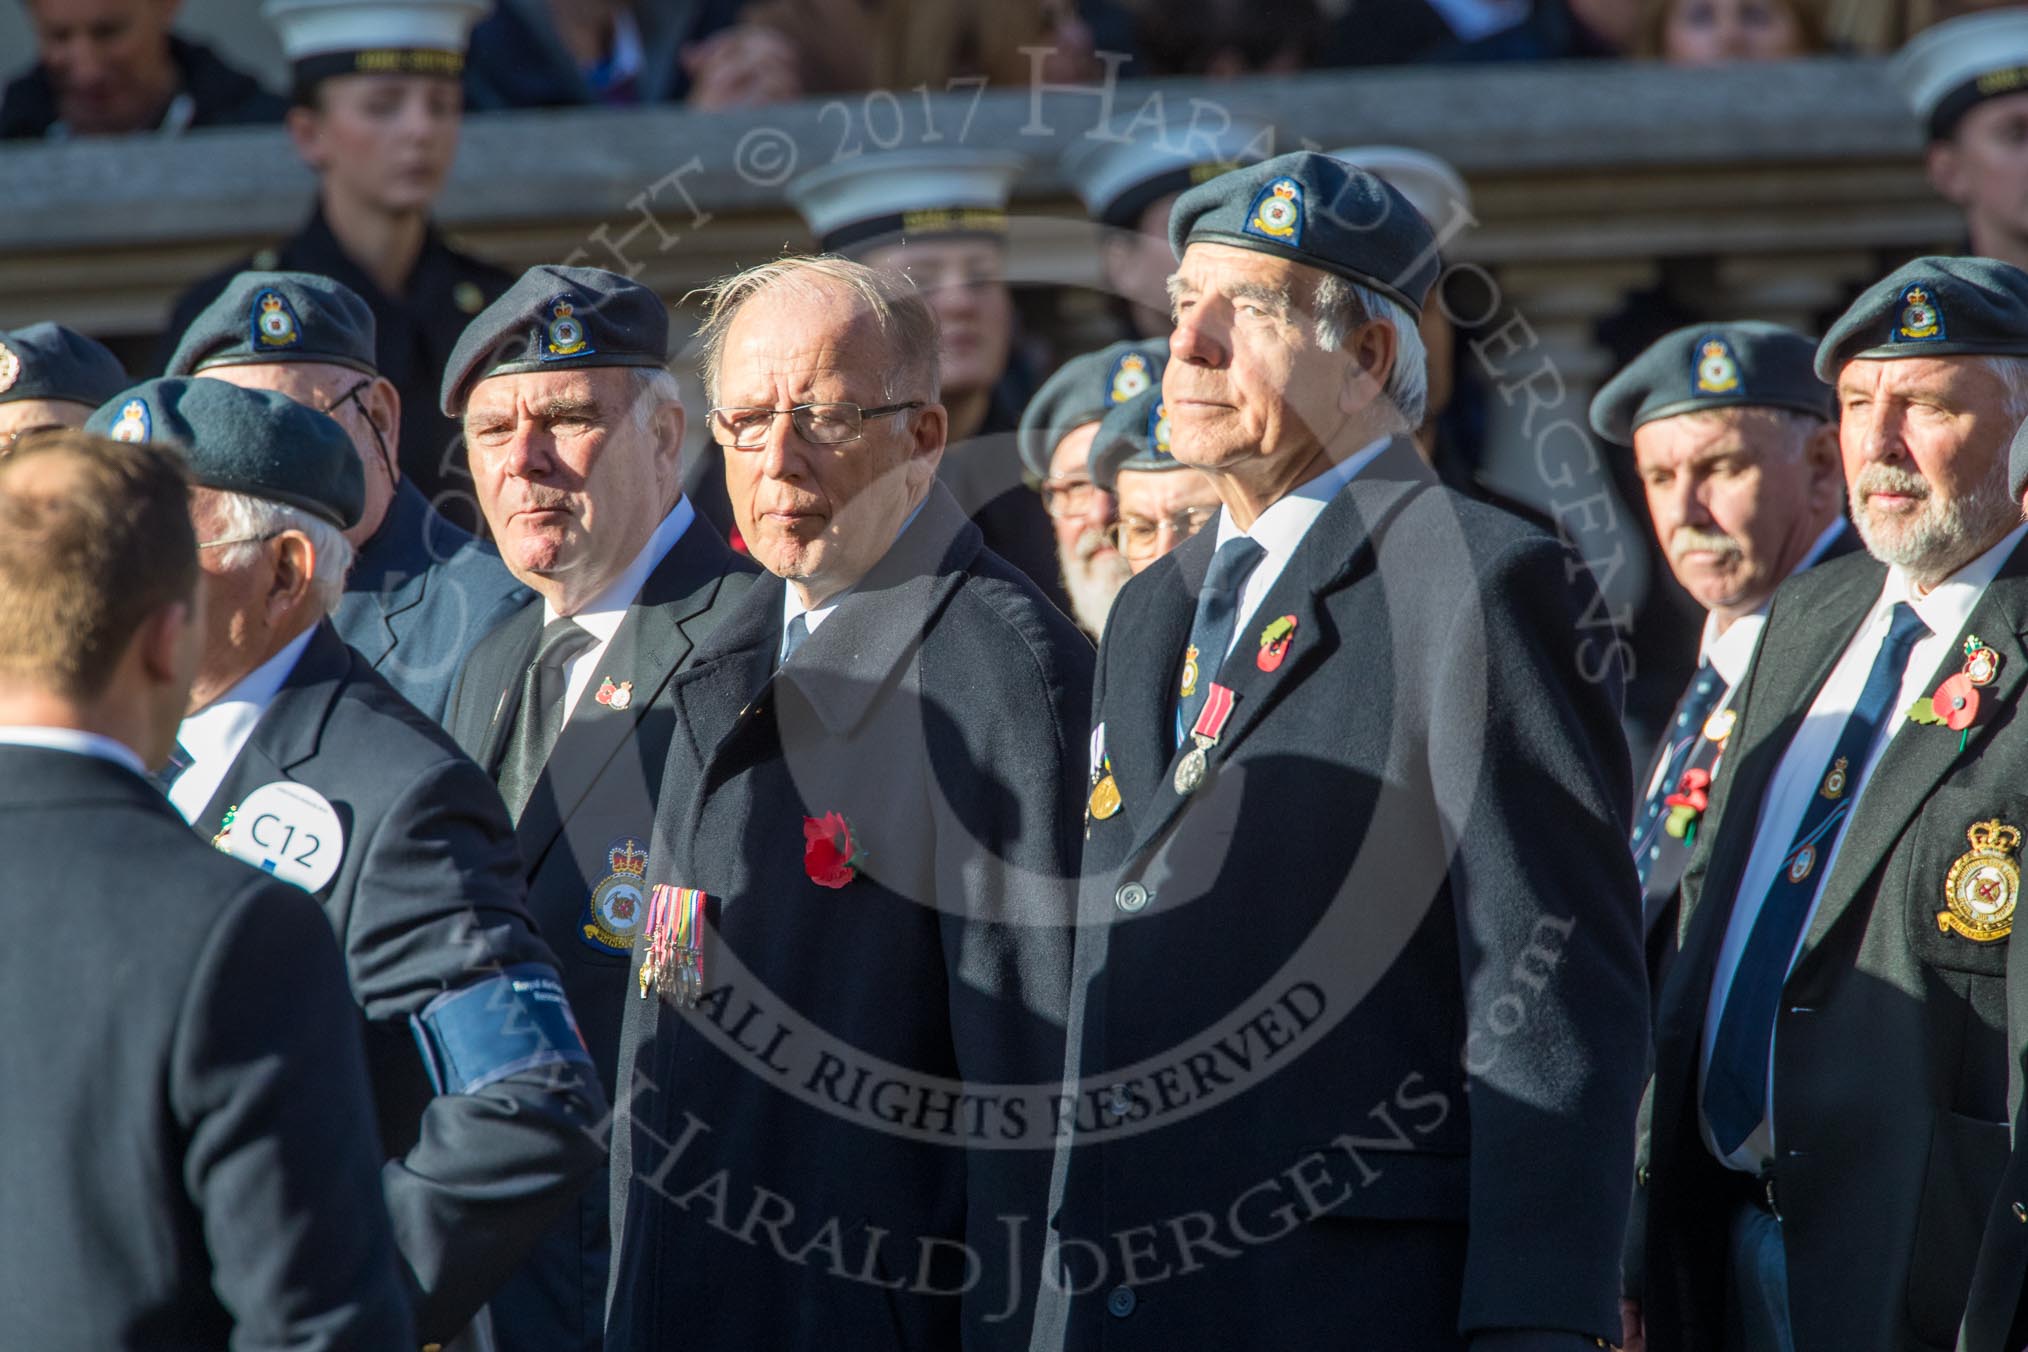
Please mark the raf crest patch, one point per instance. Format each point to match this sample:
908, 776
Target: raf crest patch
1919, 320
1158, 427
1129, 378
565, 336
1983, 885
612, 913
274, 324
135, 426
10, 368
1717, 369
1277, 213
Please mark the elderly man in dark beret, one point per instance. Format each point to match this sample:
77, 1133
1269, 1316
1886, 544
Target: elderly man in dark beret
421, 592
1831, 1092
51, 376
299, 758
1055, 441
1736, 442
1162, 501
573, 426
1361, 1017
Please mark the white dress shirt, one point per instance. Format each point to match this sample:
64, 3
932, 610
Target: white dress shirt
1281, 528
214, 735
75, 742
602, 615
1945, 609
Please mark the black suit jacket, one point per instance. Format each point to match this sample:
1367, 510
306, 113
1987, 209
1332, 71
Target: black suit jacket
427, 898
1366, 1011
420, 595
584, 838
189, 1157
940, 709
1883, 1175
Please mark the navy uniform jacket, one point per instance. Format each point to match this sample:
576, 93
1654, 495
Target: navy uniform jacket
427, 899
189, 1157
940, 710
1367, 1009
420, 595
415, 333
584, 838
1892, 1048
220, 96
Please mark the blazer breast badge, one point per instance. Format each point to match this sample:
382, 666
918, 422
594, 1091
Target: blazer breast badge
1983, 885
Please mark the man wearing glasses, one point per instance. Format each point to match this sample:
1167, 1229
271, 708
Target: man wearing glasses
1162, 501
572, 428
52, 377
421, 591
883, 749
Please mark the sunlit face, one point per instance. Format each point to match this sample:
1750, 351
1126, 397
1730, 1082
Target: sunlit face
821, 515
1983, 168
1737, 497
19, 417
383, 140
571, 480
1246, 377
1161, 509
349, 397
965, 282
1924, 442
108, 60
1715, 32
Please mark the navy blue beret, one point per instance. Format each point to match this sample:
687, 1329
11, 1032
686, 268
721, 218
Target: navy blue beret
264, 317
1133, 435
1933, 307
1081, 390
254, 442
1314, 209
49, 361
1749, 364
558, 319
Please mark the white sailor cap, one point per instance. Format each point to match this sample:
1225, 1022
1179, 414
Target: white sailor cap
854, 205
1947, 70
323, 38
1120, 178
1430, 184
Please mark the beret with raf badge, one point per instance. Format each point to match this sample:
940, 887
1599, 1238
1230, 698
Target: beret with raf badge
253, 442
1749, 364
1134, 435
1082, 390
1319, 211
49, 361
1933, 307
264, 317
558, 319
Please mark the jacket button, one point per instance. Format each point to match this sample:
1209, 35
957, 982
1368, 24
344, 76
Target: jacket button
1120, 1300
1118, 1105
1130, 898
2021, 1213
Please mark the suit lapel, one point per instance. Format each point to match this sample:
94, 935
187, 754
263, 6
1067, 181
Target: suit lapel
1145, 639
1921, 756
289, 729
517, 649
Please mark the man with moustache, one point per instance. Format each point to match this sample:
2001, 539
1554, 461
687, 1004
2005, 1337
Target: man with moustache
574, 428
1736, 441
1830, 1098
1358, 994
881, 751
1055, 440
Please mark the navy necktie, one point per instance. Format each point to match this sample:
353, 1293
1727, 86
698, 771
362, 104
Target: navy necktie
1211, 630
1735, 1083
179, 761
795, 636
1685, 731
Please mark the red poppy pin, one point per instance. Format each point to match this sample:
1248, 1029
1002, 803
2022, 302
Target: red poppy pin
1687, 804
830, 854
1274, 643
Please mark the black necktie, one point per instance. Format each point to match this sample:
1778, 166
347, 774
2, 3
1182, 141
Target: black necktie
795, 636
179, 761
1211, 630
540, 716
1685, 732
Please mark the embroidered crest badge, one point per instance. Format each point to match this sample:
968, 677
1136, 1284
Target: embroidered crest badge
1984, 885
1158, 427
274, 324
1277, 212
612, 913
10, 368
1920, 320
1717, 368
565, 337
1130, 376
134, 425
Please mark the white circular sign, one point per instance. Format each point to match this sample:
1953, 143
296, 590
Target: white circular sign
288, 830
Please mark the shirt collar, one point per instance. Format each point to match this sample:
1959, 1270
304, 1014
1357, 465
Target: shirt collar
1730, 652
792, 604
1949, 604
602, 614
1282, 526
76, 742
221, 727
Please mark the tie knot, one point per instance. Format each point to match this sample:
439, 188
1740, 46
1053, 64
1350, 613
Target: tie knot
1230, 565
1905, 628
562, 639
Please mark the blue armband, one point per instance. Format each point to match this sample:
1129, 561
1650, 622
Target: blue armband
519, 1020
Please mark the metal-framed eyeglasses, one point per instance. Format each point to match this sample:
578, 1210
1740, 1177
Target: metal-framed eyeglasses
1138, 537
829, 424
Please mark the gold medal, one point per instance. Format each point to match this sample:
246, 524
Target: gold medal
1105, 798
1718, 727
1983, 885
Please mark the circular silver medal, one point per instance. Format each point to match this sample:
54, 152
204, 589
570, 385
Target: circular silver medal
1190, 771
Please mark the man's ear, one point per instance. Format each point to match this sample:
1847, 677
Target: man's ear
295, 567
1826, 466
1374, 348
928, 426
382, 403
